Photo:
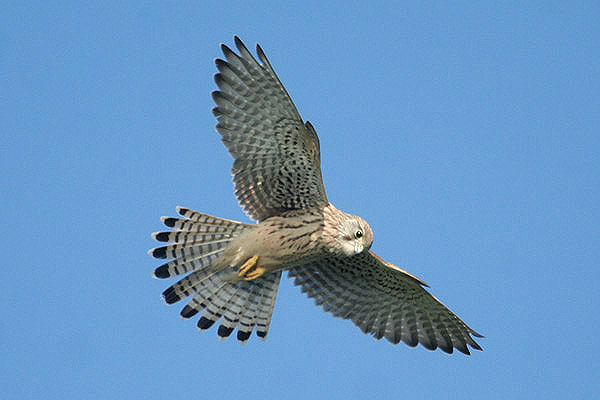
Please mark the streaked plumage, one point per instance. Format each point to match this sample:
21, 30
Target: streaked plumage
231, 270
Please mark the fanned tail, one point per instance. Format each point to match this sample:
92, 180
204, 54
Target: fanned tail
196, 241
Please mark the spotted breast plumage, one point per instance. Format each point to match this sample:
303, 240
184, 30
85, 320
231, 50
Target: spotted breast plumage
231, 270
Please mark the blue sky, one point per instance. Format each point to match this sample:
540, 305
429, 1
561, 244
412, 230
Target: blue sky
467, 135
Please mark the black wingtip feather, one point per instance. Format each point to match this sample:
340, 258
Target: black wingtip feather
476, 334
182, 211
162, 272
412, 341
476, 346
216, 95
227, 51
188, 312
447, 349
260, 52
170, 296
464, 350
238, 42
261, 334
219, 80
262, 56
220, 64
429, 346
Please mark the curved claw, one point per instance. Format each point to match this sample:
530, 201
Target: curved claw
249, 270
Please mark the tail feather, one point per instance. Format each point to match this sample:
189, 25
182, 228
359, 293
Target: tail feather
202, 298
188, 225
267, 311
190, 237
246, 323
232, 314
243, 305
191, 284
185, 250
195, 243
220, 301
268, 296
206, 219
258, 307
185, 265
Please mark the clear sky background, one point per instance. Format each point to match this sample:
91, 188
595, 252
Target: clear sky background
467, 135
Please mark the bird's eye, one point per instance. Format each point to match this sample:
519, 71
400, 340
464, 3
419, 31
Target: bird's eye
358, 234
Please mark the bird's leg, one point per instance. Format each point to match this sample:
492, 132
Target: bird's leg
250, 269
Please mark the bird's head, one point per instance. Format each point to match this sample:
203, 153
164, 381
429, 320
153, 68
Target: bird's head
355, 234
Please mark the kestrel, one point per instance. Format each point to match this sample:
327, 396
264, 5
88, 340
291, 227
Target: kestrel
232, 269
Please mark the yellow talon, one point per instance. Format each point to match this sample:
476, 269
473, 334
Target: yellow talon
257, 273
245, 270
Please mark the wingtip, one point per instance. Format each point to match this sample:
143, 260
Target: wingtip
477, 334
218, 78
227, 52
221, 65
261, 54
239, 43
472, 341
465, 351
476, 346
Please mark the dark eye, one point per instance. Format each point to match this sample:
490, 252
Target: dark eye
358, 234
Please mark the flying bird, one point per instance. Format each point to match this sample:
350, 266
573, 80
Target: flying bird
231, 270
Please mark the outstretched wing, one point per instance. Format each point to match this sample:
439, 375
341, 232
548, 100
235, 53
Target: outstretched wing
383, 300
277, 156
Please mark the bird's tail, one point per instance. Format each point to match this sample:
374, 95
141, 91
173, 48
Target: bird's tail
195, 242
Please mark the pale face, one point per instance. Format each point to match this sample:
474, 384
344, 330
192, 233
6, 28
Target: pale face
355, 235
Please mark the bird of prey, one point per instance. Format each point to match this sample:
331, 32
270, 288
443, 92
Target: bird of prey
231, 270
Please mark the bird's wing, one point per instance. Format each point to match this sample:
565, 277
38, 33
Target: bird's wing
277, 155
383, 300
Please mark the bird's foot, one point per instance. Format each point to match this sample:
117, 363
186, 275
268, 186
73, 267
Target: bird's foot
250, 270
